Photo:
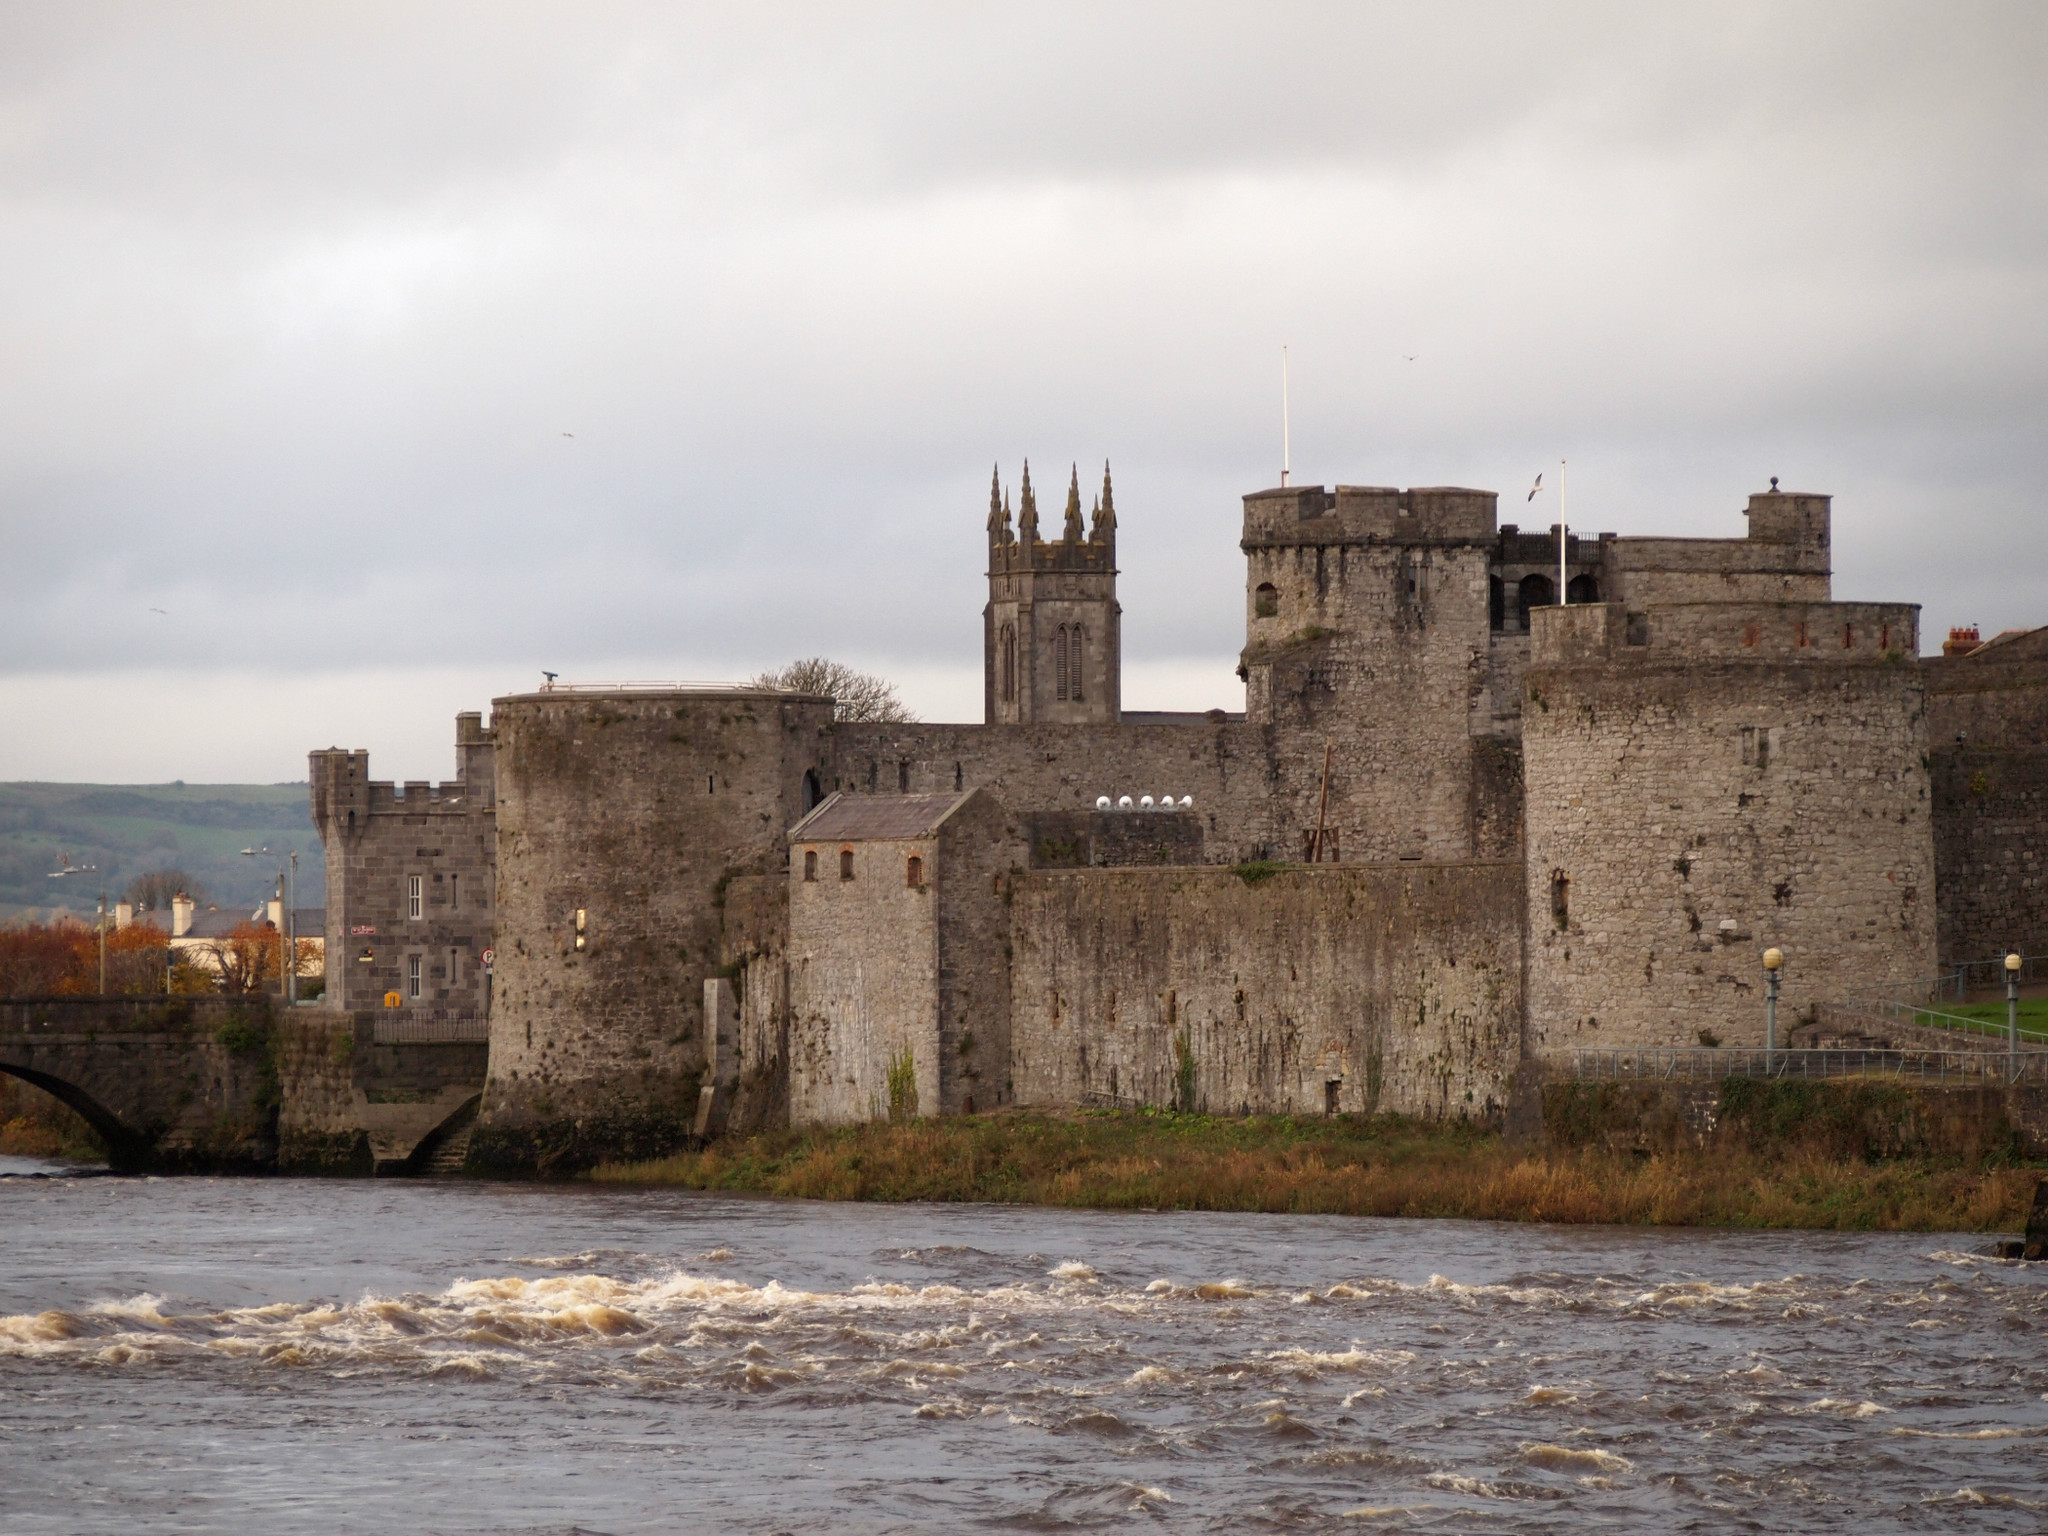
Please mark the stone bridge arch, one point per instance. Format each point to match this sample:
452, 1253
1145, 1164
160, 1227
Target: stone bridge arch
166, 1083
126, 1148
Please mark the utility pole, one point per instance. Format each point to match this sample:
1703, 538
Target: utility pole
291, 923
103, 943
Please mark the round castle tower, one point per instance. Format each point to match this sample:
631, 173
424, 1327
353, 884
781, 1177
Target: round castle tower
622, 814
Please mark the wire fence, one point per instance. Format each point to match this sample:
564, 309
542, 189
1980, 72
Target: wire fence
1708, 1064
429, 1027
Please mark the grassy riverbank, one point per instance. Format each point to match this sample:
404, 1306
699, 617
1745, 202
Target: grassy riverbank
1356, 1167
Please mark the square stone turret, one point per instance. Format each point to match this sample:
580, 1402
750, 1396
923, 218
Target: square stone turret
1052, 641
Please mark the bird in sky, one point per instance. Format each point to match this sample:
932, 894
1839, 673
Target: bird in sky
164, 611
1411, 356
568, 434
1534, 489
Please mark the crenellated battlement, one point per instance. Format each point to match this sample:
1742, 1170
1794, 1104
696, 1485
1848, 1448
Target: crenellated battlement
1367, 514
1759, 634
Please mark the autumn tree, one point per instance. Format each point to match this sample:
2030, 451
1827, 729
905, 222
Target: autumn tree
855, 695
63, 960
243, 958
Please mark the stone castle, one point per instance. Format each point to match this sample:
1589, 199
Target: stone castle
1460, 827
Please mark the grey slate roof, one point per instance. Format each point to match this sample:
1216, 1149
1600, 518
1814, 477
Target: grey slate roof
846, 818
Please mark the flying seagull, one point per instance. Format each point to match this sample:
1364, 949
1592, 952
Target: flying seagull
1534, 489
568, 434
1410, 356
164, 611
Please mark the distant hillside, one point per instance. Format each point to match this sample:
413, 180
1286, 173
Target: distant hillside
127, 829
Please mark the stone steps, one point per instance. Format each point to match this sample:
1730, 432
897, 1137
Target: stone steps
446, 1158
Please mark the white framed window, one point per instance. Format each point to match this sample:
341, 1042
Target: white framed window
414, 964
415, 896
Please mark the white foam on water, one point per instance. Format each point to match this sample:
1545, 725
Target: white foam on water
1560, 1458
1844, 1407
1971, 1497
1073, 1269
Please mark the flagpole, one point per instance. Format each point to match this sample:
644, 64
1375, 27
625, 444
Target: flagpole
1562, 588
1286, 449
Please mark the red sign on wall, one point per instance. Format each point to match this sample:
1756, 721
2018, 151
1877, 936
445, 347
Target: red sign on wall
363, 931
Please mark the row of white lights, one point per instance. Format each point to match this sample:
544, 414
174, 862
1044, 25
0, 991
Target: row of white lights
1146, 803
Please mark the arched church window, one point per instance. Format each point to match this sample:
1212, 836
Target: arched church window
1537, 591
1076, 638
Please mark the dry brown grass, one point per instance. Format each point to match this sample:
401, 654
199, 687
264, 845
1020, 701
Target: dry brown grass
1385, 1167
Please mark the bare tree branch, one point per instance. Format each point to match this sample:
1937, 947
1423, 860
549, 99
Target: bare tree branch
854, 695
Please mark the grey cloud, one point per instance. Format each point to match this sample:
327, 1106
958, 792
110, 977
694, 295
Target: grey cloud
300, 302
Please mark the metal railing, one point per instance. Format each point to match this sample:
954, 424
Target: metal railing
1935, 1018
429, 1027
660, 685
1967, 976
1710, 1064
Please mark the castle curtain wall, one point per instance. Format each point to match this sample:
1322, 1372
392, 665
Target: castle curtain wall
1360, 989
1988, 722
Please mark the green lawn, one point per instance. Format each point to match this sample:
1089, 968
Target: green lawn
1990, 1018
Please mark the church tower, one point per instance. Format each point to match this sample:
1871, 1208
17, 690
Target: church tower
1052, 645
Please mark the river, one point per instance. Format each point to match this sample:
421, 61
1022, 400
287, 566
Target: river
285, 1355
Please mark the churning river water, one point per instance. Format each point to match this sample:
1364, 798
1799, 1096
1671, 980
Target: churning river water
284, 1356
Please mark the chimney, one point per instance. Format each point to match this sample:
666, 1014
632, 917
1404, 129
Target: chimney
181, 915
1961, 642
124, 913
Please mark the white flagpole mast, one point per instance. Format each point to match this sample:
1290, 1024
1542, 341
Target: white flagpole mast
1562, 588
1286, 449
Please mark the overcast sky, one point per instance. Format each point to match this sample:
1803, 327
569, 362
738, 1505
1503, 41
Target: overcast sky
301, 306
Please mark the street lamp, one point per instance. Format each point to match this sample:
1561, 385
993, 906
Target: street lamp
2013, 962
288, 929
1774, 962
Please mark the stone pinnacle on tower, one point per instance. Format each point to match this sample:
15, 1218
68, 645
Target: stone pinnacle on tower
998, 509
1027, 512
1104, 531
1072, 533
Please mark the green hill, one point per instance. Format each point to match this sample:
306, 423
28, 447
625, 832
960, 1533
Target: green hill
128, 829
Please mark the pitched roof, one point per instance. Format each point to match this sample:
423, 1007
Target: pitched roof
846, 818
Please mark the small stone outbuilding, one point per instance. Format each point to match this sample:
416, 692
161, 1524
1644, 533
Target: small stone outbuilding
898, 991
